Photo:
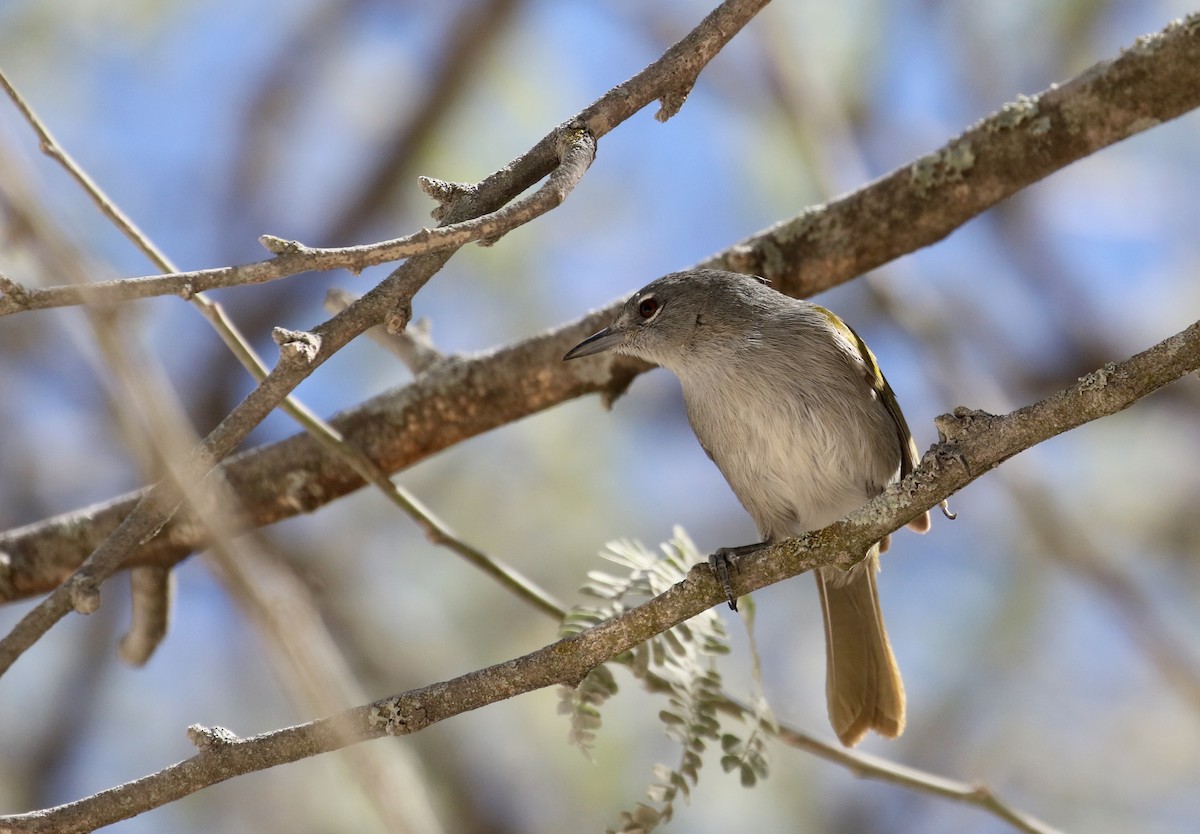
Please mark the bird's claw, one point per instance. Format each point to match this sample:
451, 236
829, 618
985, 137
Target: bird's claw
720, 562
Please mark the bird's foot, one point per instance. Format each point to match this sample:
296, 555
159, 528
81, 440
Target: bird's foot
721, 561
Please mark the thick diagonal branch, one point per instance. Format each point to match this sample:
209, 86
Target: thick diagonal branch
1153, 81
975, 443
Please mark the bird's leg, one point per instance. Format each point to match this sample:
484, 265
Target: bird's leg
720, 561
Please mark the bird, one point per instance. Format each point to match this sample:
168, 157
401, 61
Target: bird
791, 406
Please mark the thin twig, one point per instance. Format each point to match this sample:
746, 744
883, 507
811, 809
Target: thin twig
418, 353
435, 530
977, 443
866, 766
291, 257
55, 151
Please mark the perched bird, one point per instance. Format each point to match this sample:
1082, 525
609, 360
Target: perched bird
791, 406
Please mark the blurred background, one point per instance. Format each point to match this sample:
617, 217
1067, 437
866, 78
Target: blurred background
1047, 637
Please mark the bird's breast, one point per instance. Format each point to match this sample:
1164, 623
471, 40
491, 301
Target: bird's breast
798, 457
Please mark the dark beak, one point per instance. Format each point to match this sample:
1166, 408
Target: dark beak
606, 339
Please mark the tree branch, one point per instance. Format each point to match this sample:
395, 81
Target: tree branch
1155, 80
975, 443
866, 766
300, 354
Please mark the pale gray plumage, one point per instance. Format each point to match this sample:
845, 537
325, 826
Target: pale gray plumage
790, 405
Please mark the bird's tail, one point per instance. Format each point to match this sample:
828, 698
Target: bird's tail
862, 684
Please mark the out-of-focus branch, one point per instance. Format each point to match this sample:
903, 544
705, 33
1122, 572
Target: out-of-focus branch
151, 586
1064, 540
319, 680
148, 414
150, 603
866, 766
313, 42
975, 443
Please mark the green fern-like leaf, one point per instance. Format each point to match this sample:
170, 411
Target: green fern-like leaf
583, 704
680, 663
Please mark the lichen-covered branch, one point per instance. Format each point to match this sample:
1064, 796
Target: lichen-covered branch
975, 443
1153, 81
456, 398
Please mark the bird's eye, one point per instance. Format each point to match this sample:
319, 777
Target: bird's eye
648, 307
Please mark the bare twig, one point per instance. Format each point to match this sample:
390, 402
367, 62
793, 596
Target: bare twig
866, 766
418, 353
975, 443
435, 530
55, 151
292, 257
